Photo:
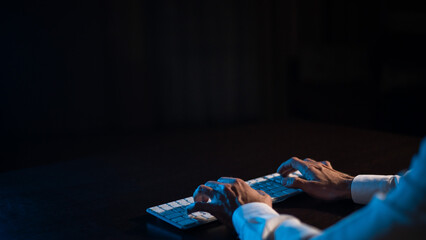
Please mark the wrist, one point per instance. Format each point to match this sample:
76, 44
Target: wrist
348, 187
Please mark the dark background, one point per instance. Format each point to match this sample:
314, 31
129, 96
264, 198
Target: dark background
76, 74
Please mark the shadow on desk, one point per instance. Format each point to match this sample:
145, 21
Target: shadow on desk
154, 228
319, 213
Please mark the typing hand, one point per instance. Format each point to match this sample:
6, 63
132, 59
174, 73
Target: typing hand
319, 180
226, 195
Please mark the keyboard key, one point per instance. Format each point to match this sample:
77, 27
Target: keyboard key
280, 189
274, 195
260, 179
208, 215
202, 216
178, 219
166, 213
277, 179
165, 207
269, 176
196, 214
189, 199
269, 192
251, 182
157, 209
183, 202
173, 204
173, 215
180, 209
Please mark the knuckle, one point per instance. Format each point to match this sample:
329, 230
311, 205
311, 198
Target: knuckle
311, 168
197, 190
295, 159
239, 180
227, 187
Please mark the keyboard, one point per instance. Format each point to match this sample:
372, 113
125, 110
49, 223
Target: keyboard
175, 212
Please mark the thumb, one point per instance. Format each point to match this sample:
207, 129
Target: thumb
200, 206
296, 182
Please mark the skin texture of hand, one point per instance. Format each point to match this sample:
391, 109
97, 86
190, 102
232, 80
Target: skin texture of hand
319, 180
225, 195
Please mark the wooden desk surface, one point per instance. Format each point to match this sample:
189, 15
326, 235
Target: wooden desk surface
105, 195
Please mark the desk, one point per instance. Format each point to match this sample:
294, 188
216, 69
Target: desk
104, 195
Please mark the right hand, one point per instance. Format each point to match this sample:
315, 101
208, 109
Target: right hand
319, 180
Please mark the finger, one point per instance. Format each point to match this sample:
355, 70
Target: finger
296, 182
229, 180
201, 198
203, 193
217, 186
309, 160
285, 166
291, 165
327, 163
310, 187
200, 206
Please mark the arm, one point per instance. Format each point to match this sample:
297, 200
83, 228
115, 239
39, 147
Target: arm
399, 215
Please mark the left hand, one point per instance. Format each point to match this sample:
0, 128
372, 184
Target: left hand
226, 195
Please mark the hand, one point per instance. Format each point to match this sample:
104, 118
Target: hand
320, 179
226, 195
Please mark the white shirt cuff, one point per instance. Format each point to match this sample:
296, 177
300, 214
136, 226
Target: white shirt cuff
250, 219
259, 221
364, 187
